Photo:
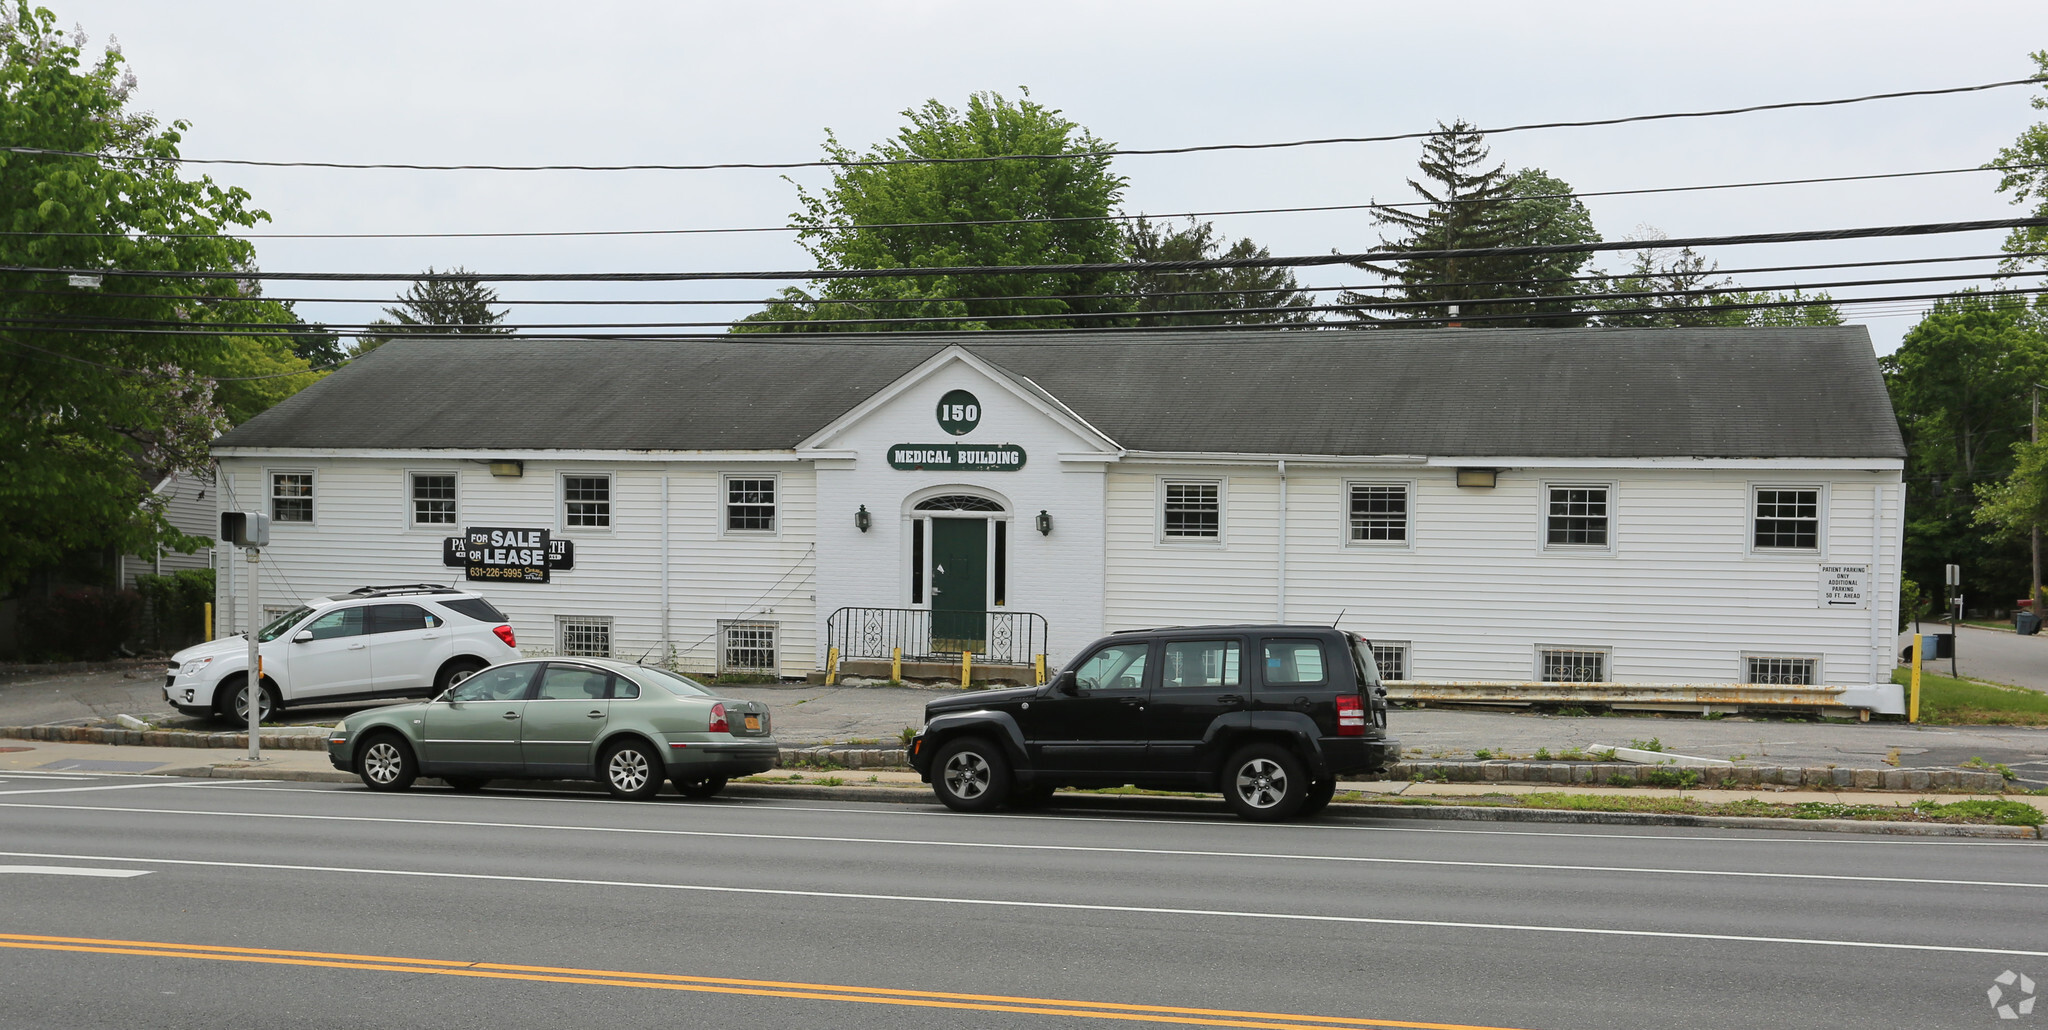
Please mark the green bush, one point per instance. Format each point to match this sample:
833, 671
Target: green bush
176, 606
1682, 779
79, 624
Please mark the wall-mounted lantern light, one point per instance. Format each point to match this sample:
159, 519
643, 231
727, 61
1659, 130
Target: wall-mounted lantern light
1482, 478
861, 521
1044, 523
508, 469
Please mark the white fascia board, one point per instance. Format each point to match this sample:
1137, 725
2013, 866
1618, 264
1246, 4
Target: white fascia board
1830, 464
1247, 458
508, 454
1022, 389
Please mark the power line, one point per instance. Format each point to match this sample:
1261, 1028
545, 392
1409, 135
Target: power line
1593, 313
1299, 261
1118, 217
692, 302
1081, 155
1380, 305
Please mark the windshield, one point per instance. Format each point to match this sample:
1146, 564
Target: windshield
674, 683
284, 622
1368, 670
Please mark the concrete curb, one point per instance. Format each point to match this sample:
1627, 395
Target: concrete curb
920, 795
1629, 774
165, 738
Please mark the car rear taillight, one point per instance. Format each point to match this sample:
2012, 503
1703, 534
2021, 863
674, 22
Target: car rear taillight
718, 723
505, 634
1350, 716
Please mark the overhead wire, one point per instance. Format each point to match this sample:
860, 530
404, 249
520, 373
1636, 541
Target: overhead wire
994, 158
979, 222
1295, 261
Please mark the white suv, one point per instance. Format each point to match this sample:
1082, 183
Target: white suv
414, 640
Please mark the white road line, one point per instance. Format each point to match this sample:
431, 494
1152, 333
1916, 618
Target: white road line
1062, 906
66, 870
74, 790
897, 842
39, 775
877, 809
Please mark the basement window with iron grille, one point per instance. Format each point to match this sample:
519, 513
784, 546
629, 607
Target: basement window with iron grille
1563, 665
583, 636
1777, 671
1392, 660
747, 647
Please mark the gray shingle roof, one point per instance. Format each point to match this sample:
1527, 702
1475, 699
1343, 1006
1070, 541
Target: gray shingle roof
1623, 393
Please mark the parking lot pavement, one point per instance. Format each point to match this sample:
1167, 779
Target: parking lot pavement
2000, 656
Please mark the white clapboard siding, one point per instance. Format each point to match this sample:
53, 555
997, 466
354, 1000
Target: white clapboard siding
1678, 597
362, 535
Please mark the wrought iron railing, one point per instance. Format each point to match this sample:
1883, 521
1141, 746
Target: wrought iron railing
1002, 637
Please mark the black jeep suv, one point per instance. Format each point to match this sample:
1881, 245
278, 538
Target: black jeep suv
1172, 709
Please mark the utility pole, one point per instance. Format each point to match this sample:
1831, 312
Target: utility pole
2034, 436
252, 689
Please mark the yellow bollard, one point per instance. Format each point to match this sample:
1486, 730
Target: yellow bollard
966, 668
831, 666
1913, 706
895, 665
1038, 671
208, 628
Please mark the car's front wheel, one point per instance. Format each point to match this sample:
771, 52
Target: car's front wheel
235, 701
455, 672
701, 787
1265, 782
971, 775
632, 771
386, 763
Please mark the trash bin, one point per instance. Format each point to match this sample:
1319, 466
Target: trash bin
2026, 623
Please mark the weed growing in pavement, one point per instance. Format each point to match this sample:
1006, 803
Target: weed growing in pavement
906, 735
1480, 753
1572, 712
1571, 754
874, 779
1978, 762
1711, 715
1891, 757
1652, 744
1543, 754
1682, 779
1738, 758
1605, 754
1728, 783
831, 781
1618, 780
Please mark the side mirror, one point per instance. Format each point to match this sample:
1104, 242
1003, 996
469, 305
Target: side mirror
305, 637
1066, 684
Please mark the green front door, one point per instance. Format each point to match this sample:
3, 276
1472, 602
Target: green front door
960, 585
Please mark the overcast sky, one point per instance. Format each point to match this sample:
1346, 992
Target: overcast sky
592, 82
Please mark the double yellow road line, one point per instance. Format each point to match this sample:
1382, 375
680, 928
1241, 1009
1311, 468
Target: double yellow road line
718, 985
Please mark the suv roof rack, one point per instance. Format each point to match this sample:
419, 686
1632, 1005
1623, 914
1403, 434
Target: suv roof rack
402, 588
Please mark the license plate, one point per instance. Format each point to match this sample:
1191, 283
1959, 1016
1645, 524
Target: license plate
753, 722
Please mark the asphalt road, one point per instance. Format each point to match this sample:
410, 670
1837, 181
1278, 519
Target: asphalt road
2000, 656
133, 902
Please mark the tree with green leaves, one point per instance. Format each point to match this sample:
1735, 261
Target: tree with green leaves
923, 199
99, 412
2025, 164
1210, 296
1467, 206
1670, 290
450, 303
1959, 383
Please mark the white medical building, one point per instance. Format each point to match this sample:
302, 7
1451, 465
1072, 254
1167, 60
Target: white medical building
1712, 505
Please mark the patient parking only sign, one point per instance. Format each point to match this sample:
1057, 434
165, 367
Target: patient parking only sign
1845, 586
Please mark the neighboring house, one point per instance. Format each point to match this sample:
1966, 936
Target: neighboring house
192, 508
1711, 505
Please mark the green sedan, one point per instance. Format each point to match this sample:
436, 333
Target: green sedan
625, 726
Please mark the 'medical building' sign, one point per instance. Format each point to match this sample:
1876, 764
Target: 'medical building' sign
957, 457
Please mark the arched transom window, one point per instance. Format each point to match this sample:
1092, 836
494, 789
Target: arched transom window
958, 502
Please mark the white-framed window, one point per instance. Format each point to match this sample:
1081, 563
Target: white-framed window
747, 647
1191, 511
1572, 664
587, 501
583, 636
291, 497
1785, 519
431, 499
750, 503
1392, 659
1378, 514
1781, 670
1578, 516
